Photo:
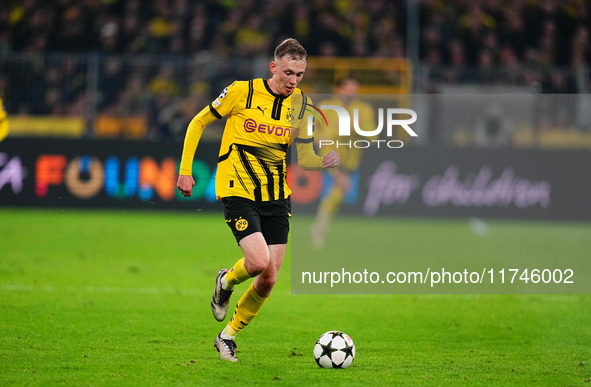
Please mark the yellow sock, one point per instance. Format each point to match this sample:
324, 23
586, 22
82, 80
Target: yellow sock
230, 331
247, 309
331, 202
237, 274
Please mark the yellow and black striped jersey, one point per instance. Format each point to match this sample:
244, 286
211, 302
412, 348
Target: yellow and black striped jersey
260, 127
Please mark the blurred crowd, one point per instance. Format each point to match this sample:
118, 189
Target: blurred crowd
180, 27
460, 40
498, 40
460, 32
506, 33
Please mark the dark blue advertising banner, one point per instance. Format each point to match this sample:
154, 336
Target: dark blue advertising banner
427, 181
421, 181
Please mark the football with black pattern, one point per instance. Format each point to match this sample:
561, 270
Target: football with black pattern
334, 349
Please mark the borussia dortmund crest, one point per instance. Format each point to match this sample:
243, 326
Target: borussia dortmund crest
241, 224
289, 115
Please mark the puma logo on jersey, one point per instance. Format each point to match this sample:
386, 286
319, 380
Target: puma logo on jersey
261, 109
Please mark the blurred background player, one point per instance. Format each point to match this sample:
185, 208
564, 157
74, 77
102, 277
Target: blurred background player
347, 90
251, 180
3, 122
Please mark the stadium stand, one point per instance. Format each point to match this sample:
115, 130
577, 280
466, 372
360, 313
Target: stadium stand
139, 69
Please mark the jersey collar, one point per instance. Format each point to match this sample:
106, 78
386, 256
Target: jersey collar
266, 82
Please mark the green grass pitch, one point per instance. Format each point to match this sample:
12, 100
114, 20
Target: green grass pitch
122, 298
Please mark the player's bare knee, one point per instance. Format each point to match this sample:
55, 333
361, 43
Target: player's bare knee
256, 268
257, 263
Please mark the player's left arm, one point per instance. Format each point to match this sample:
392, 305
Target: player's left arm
307, 157
310, 161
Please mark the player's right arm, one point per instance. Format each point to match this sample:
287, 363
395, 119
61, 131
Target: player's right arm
220, 107
185, 181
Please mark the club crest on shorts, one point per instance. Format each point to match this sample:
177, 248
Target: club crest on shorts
241, 224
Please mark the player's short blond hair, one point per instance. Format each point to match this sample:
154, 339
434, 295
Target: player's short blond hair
292, 49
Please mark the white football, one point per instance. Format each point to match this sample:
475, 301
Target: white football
334, 349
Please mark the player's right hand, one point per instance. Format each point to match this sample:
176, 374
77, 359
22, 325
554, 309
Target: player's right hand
185, 184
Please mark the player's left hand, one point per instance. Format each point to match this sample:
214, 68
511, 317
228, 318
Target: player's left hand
331, 160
